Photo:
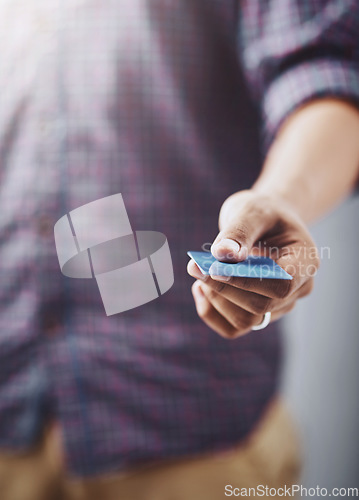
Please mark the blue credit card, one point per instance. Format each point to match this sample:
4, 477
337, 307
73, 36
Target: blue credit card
253, 267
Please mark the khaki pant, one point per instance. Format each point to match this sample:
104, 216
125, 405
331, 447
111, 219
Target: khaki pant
268, 457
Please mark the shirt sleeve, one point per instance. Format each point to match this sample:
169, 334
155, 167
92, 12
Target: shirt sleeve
295, 50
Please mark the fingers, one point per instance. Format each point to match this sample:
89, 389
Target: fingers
224, 317
271, 288
210, 315
251, 302
238, 317
282, 311
299, 261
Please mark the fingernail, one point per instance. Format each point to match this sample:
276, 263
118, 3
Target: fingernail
196, 273
226, 248
220, 278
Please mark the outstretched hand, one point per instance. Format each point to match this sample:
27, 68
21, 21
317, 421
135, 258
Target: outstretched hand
251, 223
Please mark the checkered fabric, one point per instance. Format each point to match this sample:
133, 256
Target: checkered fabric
163, 102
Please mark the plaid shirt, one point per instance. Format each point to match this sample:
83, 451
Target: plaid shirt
148, 98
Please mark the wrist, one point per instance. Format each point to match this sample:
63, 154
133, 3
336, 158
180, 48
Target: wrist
313, 163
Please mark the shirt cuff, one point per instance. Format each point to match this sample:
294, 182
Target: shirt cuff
304, 82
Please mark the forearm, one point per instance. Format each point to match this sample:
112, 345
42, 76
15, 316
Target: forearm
314, 162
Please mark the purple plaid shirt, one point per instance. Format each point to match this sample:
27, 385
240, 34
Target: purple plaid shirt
148, 98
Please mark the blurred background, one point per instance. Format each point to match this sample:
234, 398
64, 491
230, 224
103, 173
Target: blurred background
320, 377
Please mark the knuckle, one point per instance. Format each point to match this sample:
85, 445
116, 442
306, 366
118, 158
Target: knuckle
241, 232
242, 331
267, 305
244, 283
282, 289
262, 305
242, 321
217, 286
211, 294
307, 288
229, 334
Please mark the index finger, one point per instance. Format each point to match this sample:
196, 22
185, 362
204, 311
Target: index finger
295, 260
272, 288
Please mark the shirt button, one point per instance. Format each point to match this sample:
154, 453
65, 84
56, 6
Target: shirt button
45, 226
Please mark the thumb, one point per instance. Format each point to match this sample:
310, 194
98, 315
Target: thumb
242, 226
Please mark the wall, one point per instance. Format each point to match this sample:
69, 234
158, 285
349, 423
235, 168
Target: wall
320, 377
